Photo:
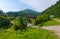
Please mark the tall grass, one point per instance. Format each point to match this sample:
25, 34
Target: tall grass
31, 33
50, 23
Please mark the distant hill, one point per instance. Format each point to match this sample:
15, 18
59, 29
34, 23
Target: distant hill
2, 13
53, 10
26, 12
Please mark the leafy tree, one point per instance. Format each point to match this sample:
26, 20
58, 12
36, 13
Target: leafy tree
1, 11
26, 12
29, 20
20, 23
4, 22
53, 10
42, 18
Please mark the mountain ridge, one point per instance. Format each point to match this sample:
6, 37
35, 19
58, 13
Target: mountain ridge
25, 12
53, 10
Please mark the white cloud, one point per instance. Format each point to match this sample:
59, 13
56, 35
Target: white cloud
39, 5
15, 5
33, 3
9, 5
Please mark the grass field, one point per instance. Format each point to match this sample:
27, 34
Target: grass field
31, 33
50, 23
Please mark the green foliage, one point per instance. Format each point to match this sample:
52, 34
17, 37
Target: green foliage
45, 15
26, 12
20, 23
54, 10
11, 18
42, 18
31, 33
4, 22
1, 11
50, 23
29, 20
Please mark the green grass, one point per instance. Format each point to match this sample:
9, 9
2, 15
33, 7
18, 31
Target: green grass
31, 33
50, 23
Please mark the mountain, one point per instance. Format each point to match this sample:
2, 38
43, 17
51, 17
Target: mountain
15, 14
26, 12
53, 10
2, 13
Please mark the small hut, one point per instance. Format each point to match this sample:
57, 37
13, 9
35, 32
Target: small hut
33, 17
51, 16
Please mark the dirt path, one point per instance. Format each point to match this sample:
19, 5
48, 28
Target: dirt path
57, 20
55, 29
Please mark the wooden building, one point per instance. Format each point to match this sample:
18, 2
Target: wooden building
33, 21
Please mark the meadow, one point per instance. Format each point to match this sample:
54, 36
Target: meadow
30, 33
50, 23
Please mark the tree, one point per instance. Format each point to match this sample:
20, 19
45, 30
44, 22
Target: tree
20, 23
42, 18
1, 11
4, 22
54, 10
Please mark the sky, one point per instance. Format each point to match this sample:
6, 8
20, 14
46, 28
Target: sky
17, 5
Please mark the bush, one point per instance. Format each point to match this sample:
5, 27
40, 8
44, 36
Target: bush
31, 33
4, 22
20, 23
42, 18
29, 20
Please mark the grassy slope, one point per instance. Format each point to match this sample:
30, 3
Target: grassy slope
50, 23
31, 33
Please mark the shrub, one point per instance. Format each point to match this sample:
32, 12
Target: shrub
4, 22
42, 18
29, 20
20, 23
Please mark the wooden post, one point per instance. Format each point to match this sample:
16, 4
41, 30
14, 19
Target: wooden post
35, 22
26, 21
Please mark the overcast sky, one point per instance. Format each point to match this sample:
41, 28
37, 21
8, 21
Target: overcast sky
17, 5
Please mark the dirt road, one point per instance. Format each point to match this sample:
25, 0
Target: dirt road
55, 29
